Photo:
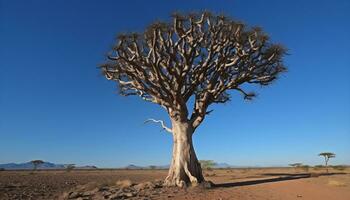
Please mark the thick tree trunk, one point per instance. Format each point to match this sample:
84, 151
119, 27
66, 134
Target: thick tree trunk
184, 169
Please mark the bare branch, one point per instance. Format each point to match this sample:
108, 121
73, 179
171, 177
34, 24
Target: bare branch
246, 96
161, 122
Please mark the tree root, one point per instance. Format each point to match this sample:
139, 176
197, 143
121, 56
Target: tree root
194, 180
173, 180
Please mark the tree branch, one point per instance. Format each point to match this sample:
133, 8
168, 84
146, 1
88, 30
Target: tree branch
161, 122
199, 55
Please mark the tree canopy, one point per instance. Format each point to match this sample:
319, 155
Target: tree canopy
327, 154
198, 55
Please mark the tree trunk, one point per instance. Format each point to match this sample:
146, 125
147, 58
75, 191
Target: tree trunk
184, 169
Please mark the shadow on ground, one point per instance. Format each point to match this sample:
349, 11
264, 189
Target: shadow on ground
283, 177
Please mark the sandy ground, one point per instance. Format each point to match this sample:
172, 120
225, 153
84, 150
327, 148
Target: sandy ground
236, 184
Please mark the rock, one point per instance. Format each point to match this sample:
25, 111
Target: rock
145, 185
115, 196
106, 193
86, 194
129, 194
94, 191
299, 196
104, 188
158, 183
73, 195
124, 183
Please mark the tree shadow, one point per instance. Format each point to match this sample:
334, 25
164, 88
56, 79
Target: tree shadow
284, 177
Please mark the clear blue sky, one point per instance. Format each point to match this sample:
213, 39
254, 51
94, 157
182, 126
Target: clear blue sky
55, 106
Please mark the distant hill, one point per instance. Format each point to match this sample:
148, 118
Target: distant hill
134, 167
86, 167
45, 165
222, 165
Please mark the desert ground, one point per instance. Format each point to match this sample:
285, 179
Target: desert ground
236, 184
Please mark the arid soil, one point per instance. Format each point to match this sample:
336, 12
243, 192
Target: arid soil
236, 184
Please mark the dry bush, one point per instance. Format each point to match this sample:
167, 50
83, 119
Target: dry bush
318, 167
305, 168
339, 167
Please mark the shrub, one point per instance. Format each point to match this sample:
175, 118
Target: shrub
70, 167
318, 167
305, 167
339, 167
207, 164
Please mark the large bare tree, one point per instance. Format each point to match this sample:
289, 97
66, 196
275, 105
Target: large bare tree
199, 56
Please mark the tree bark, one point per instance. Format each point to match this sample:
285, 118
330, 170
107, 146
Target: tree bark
184, 169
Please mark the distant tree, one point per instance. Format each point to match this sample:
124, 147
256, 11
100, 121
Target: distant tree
339, 167
327, 156
199, 57
152, 167
296, 165
305, 167
36, 163
2, 169
207, 164
69, 167
318, 167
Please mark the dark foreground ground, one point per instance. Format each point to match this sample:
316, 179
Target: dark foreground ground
236, 184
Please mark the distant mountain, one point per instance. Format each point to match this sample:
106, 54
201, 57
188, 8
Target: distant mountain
29, 165
134, 167
86, 167
45, 165
222, 165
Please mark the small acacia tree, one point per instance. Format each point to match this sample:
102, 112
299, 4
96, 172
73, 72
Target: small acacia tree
198, 56
327, 156
36, 164
296, 165
207, 164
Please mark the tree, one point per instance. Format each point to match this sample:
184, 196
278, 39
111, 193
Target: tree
153, 167
36, 163
207, 164
197, 56
327, 156
69, 167
300, 166
296, 165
